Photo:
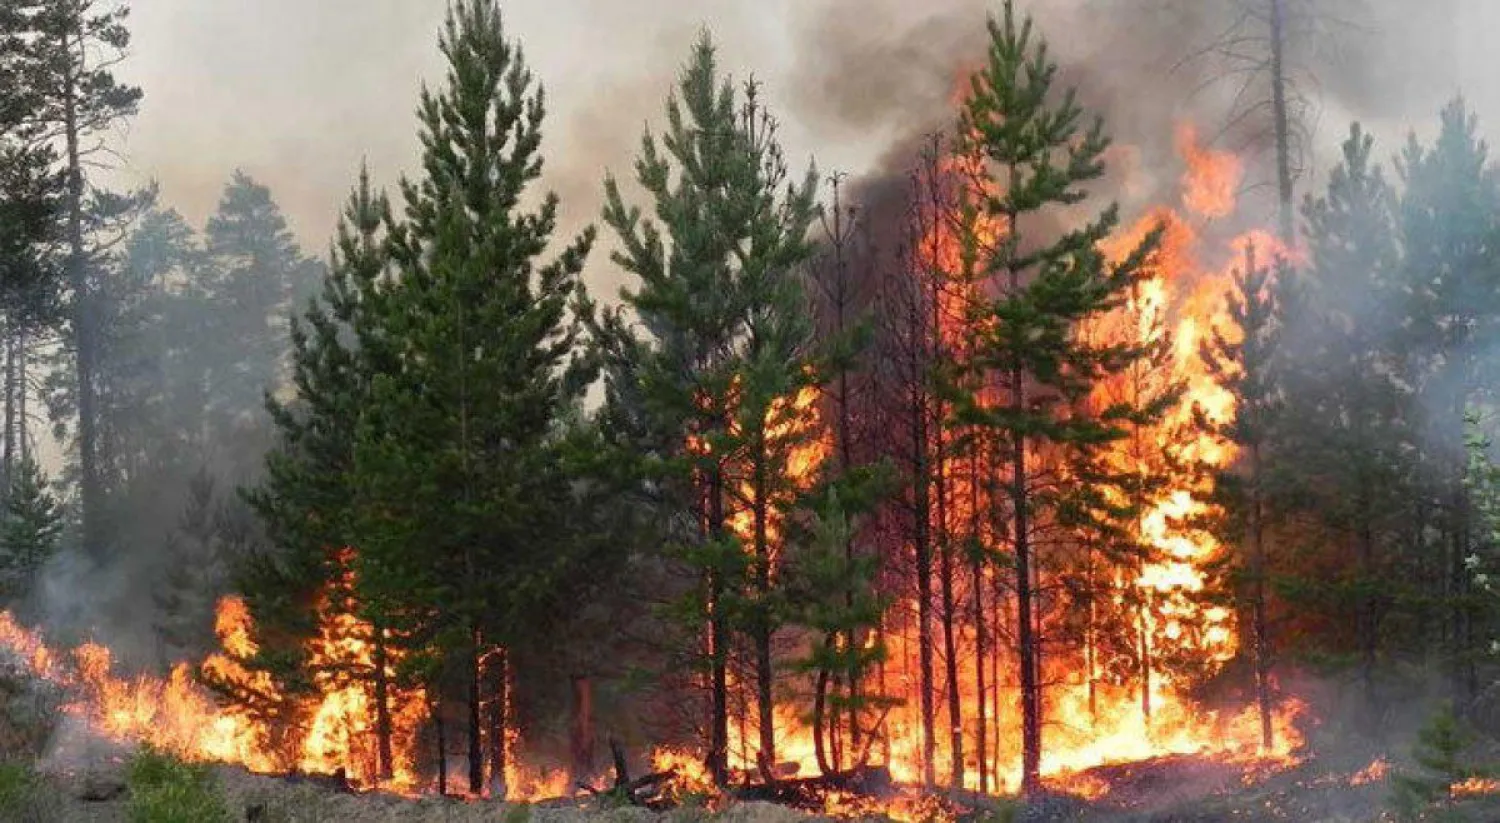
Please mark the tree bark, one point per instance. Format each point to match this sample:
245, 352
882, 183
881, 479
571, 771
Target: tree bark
11, 383
1285, 212
718, 643
499, 721
1258, 601
476, 747
765, 698
382, 706
84, 331
581, 741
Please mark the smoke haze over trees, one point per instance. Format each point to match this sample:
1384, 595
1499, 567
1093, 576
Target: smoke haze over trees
949, 397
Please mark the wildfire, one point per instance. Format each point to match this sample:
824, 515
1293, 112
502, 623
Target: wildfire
1121, 695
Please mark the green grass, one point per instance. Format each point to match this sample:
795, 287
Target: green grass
164, 789
24, 795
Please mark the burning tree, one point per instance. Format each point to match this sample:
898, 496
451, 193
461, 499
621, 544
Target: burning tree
1028, 344
726, 369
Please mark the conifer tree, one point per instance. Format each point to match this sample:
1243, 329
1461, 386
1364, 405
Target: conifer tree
29, 533
462, 494
255, 275
1353, 435
1447, 218
305, 503
727, 352
1041, 156
74, 46
1244, 361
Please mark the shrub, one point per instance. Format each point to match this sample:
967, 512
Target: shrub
164, 789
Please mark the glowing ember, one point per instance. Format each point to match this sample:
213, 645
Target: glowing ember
1475, 786
1373, 773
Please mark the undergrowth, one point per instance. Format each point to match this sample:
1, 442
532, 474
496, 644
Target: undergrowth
164, 789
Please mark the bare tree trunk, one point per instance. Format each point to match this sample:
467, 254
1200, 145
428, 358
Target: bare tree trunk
1030, 654
718, 643
12, 383
442, 746
1258, 601
765, 697
981, 740
84, 331
1285, 214
581, 742
476, 747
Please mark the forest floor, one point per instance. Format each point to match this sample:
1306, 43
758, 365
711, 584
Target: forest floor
1175, 790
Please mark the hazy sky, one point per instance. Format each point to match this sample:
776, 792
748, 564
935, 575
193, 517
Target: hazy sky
296, 92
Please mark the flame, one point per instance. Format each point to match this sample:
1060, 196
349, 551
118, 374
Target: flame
1475, 786
1373, 773
177, 713
1121, 695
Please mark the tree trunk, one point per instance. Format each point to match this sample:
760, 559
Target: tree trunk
981, 739
1258, 602
765, 698
923, 552
476, 746
442, 747
718, 643
1285, 214
820, 722
581, 741
11, 384
382, 706
84, 332
1368, 630
1030, 654
950, 650
499, 721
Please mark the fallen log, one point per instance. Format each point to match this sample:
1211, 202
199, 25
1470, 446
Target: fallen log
644, 791
809, 793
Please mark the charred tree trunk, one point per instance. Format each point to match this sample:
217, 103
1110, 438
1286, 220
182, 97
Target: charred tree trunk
948, 640
923, 558
764, 693
1258, 600
1026, 641
499, 721
718, 643
476, 747
981, 740
581, 741
442, 746
382, 705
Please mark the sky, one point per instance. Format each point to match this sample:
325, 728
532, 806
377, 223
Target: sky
298, 92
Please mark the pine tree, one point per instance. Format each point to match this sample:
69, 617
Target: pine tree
1041, 157
305, 503
255, 275
1447, 218
1244, 360
30, 190
726, 356
1351, 416
30, 532
74, 46
462, 494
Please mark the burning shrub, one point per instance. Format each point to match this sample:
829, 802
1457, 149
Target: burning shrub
164, 789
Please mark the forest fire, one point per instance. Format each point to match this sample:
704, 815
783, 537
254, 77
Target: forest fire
1121, 695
